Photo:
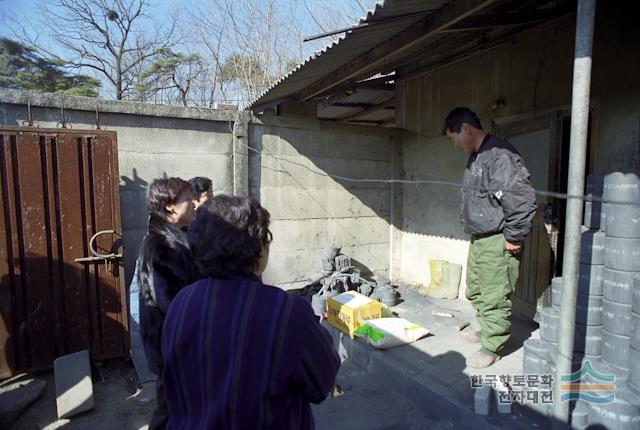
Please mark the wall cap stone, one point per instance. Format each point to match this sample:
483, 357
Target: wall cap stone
50, 100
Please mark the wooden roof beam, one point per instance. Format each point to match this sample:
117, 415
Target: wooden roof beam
476, 23
396, 46
380, 106
382, 123
363, 85
351, 105
374, 81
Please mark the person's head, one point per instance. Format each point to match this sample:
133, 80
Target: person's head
462, 126
202, 190
171, 200
230, 236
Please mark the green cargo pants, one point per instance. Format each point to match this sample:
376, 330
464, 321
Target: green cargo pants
492, 273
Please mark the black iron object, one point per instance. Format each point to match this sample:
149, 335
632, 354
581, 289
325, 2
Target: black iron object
63, 123
30, 121
98, 125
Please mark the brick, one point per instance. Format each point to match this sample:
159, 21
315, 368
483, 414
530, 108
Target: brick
482, 400
74, 389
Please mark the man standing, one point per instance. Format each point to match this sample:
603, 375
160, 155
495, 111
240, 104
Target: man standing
497, 205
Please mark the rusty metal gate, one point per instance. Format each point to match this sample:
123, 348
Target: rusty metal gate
62, 288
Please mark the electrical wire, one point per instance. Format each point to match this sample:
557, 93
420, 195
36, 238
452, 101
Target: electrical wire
545, 193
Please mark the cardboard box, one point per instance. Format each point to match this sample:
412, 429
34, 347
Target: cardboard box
348, 310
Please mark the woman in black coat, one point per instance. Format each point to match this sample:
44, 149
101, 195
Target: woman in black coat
165, 266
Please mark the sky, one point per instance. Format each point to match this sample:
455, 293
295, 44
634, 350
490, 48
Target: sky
306, 14
30, 8
296, 18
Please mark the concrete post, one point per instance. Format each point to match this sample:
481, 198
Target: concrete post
241, 154
577, 160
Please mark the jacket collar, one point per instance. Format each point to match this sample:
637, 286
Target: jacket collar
167, 232
484, 142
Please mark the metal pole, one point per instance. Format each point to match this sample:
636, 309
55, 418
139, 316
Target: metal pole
577, 160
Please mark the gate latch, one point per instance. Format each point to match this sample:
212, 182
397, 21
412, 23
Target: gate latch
98, 257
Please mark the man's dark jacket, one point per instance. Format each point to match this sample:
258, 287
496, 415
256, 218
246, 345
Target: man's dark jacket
165, 266
497, 195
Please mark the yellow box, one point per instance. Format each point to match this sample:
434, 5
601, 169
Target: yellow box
346, 311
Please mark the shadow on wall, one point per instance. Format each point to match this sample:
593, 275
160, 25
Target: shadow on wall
136, 183
49, 308
134, 215
432, 209
312, 209
328, 152
180, 146
426, 209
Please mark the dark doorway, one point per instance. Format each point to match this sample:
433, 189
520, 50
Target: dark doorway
560, 205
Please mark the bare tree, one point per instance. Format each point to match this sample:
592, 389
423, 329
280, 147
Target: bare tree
209, 33
171, 75
229, 50
107, 36
250, 44
324, 16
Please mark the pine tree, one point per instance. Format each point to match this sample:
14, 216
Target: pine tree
22, 67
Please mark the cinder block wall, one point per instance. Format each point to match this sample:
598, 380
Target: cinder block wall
310, 210
156, 148
153, 141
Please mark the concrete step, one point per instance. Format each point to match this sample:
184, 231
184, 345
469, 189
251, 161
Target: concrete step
368, 405
432, 372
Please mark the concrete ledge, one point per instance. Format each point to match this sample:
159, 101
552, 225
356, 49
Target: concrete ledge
415, 380
400, 376
307, 123
409, 380
50, 100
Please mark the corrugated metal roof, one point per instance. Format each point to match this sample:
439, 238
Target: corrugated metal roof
391, 17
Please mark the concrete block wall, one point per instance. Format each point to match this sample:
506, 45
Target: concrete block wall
153, 141
533, 74
310, 210
177, 147
431, 227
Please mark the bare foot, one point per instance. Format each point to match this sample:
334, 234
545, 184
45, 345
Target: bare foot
469, 336
480, 360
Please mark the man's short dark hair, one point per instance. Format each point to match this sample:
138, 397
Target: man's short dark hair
227, 236
163, 192
200, 185
457, 116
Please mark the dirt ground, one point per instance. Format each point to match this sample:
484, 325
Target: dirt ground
116, 407
365, 405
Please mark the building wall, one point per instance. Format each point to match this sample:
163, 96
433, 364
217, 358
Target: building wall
532, 74
310, 210
153, 142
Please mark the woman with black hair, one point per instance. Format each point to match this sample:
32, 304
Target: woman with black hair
238, 353
164, 267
